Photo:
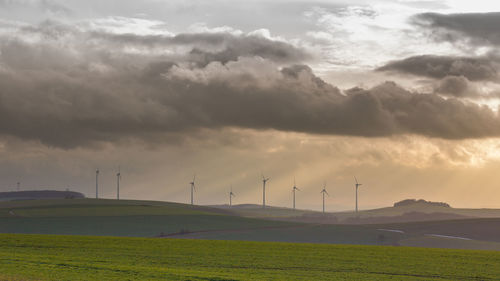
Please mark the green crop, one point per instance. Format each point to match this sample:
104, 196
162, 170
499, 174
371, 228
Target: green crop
54, 257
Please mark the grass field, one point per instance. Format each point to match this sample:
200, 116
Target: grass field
118, 218
98, 207
49, 257
151, 218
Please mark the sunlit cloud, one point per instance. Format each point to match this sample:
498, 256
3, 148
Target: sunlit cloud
166, 89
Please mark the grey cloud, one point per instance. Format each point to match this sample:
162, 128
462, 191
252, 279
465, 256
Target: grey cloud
477, 28
457, 86
69, 92
461, 87
195, 47
304, 105
209, 47
472, 68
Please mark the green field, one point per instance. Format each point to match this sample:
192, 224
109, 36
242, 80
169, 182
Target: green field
98, 207
118, 218
50, 257
133, 218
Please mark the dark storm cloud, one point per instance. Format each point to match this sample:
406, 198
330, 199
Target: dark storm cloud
67, 91
473, 68
477, 28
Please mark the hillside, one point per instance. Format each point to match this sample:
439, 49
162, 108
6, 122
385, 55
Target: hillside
39, 194
47, 257
425, 208
254, 210
409, 211
483, 234
104, 217
117, 218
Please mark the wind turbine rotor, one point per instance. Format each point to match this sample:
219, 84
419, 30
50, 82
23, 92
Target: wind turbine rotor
264, 179
357, 183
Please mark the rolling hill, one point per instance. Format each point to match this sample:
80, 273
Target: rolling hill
412, 212
39, 194
117, 218
133, 218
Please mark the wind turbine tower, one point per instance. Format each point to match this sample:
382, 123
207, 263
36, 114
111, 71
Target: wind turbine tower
192, 189
231, 195
295, 188
118, 177
18, 186
97, 184
357, 185
264, 180
324, 192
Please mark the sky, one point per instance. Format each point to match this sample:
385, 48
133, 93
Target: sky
402, 94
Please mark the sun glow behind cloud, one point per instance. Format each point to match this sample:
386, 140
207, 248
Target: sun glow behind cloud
418, 167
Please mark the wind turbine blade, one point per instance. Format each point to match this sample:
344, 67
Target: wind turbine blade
355, 179
194, 177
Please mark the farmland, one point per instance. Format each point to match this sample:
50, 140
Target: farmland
131, 218
52, 257
118, 218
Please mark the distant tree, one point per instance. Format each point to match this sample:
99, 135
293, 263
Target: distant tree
407, 202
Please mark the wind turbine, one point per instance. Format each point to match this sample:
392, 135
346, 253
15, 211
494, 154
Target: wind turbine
264, 180
96, 183
118, 177
295, 188
324, 192
231, 195
192, 189
357, 185
18, 186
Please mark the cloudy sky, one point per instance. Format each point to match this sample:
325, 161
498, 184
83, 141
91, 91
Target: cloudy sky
402, 94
